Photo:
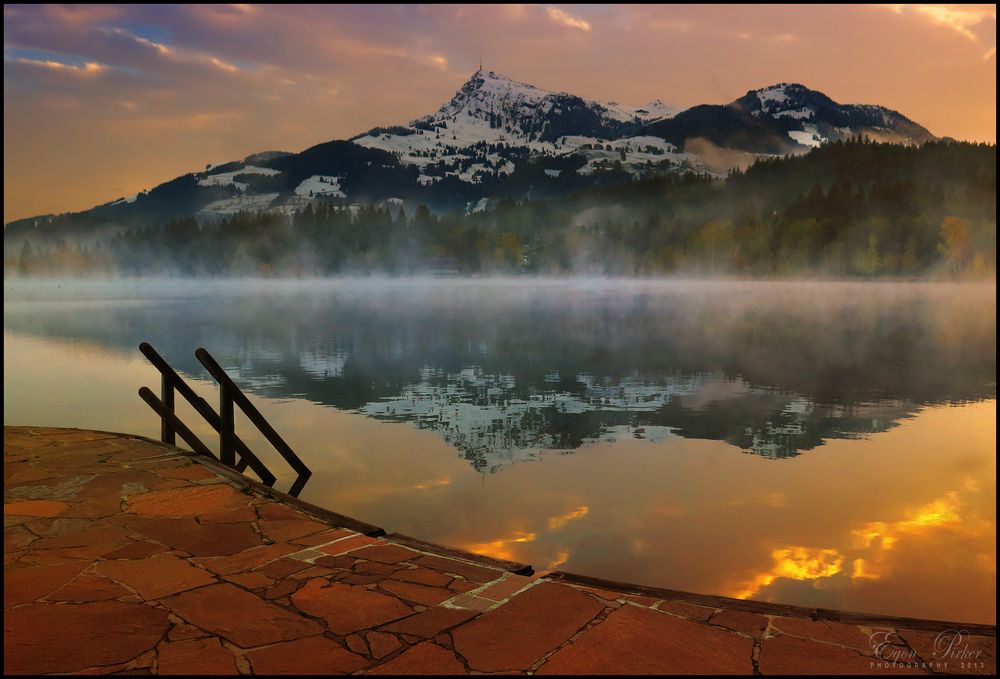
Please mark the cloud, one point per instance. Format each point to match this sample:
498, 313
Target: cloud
198, 120
186, 56
159, 47
81, 14
438, 61
975, 23
88, 68
959, 18
566, 19
773, 37
224, 65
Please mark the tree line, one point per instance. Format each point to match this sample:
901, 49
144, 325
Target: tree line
847, 209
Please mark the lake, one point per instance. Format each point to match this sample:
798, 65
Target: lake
820, 444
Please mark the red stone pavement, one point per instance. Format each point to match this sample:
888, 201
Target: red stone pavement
123, 555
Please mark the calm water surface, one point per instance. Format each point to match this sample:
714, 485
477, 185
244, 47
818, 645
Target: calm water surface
822, 444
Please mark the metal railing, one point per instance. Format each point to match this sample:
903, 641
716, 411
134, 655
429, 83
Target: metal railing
230, 445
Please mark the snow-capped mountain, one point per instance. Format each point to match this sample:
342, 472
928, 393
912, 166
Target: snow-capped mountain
469, 137
500, 138
825, 119
492, 108
787, 118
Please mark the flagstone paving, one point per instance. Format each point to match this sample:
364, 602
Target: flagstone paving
123, 555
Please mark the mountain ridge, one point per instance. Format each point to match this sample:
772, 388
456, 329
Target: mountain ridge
497, 136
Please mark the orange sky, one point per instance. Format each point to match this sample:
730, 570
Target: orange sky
101, 101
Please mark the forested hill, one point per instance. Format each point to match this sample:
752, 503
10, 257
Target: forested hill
847, 208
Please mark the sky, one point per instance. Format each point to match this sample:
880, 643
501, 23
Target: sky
102, 101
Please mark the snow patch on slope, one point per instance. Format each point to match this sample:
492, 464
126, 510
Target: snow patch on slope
775, 93
808, 136
799, 114
128, 199
320, 185
227, 178
654, 110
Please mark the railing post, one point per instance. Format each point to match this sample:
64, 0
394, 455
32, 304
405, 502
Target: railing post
248, 408
227, 446
167, 433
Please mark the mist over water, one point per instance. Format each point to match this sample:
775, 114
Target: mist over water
407, 394
512, 366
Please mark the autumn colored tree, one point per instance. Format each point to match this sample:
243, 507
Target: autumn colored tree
955, 242
871, 262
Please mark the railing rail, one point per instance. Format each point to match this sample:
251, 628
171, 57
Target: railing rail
230, 445
168, 418
233, 394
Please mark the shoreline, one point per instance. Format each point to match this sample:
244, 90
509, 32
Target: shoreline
161, 545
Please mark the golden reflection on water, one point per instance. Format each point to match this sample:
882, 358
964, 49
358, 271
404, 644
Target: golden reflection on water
504, 548
901, 523
795, 563
560, 521
892, 524
866, 554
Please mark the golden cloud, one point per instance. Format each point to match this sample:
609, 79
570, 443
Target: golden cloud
959, 18
89, 68
177, 55
566, 19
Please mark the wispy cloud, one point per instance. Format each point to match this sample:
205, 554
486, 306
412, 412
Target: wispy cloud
772, 37
81, 14
175, 54
159, 47
438, 61
224, 65
966, 20
959, 18
204, 120
88, 68
567, 19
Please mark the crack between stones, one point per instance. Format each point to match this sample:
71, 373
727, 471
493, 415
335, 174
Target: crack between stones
600, 617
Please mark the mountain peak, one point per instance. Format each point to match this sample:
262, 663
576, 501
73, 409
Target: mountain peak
810, 117
488, 93
782, 96
785, 86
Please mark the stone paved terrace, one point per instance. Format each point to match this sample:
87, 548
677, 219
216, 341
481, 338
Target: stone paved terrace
124, 555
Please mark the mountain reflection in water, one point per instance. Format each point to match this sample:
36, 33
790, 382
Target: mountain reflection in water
503, 370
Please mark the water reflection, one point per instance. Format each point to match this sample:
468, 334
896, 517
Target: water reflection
403, 397
503, 370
